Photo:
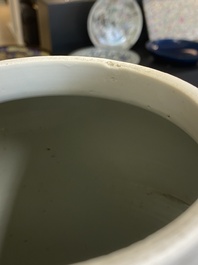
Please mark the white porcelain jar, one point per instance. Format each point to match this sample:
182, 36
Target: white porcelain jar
49, 174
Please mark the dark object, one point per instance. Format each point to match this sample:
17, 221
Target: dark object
144, 34
63, 25
29, 23
174, 51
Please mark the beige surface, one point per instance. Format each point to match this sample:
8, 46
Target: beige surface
5, 34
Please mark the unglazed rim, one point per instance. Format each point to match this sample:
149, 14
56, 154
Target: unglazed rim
178, 240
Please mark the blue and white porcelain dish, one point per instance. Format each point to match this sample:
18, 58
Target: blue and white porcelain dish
115, 23
175, 51
112, 54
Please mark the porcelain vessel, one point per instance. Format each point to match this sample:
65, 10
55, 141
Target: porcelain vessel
177, 101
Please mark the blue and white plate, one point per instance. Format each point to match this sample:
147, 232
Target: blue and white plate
115, 23
113, 54
175, 51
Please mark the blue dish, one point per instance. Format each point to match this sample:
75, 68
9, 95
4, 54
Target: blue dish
175, 51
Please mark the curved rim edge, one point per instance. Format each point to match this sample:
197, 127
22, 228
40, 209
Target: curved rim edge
181, 235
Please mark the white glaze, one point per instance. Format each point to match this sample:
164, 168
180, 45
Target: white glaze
175, 244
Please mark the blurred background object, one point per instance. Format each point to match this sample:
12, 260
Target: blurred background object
62, 27
17, 51
6, 35
63, 24
112, 54
168, 19
55, 25
180, 52
113, 28
19, 31
115, 24
30, 30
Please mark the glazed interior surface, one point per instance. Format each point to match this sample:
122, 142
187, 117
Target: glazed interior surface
98, 175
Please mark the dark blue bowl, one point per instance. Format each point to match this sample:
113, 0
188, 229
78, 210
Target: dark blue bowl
174, 51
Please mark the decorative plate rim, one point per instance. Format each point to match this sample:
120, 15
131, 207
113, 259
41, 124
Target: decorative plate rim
133, 57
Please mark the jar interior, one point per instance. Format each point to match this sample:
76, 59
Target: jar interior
93, 176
